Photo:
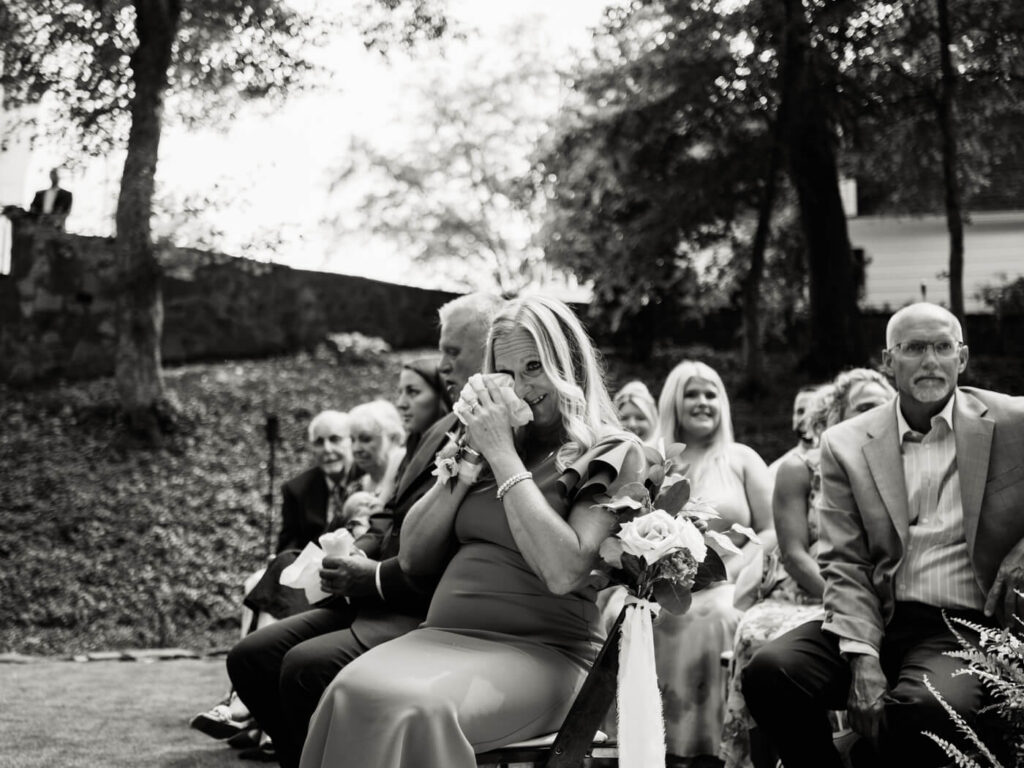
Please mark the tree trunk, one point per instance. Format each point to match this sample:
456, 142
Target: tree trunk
753, 356
835, 333
139, 378
947, 126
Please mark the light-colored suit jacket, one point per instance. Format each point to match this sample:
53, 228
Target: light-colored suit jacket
865, 520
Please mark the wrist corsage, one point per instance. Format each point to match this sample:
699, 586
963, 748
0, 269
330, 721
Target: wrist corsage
457, 461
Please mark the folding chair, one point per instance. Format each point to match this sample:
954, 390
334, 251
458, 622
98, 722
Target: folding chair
575, 740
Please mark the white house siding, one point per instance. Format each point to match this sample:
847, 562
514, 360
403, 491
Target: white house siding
904, 253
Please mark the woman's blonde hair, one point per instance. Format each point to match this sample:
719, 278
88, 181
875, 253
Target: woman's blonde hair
669, 403
833, 407
637, 394
569, 360
381, 417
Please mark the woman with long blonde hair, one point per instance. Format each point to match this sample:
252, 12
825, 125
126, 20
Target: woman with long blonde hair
694, 410
512, 627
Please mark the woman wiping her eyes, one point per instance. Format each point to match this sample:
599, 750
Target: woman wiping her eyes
512, 628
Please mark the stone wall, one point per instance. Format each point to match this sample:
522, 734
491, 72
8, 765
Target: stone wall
57, 311
57, 318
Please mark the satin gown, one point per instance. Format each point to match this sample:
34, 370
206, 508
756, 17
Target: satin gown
498, 659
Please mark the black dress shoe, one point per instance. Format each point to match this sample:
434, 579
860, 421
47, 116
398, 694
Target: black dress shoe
262, 754
245, 739
218, 723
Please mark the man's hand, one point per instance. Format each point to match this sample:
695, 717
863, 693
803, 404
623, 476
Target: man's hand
351, 576
867, 697
1002, 598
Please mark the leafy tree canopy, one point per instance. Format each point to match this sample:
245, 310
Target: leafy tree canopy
76, 55
660, 161
460, 192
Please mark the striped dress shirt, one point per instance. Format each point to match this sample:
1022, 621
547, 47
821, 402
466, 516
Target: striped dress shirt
936, 566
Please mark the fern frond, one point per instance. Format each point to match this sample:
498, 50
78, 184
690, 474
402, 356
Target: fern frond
960, 723
961, 759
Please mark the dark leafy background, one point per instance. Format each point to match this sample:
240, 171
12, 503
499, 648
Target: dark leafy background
106, 546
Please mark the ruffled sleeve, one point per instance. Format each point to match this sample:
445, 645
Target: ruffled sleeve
612, 462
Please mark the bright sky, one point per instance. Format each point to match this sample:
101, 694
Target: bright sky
270, 172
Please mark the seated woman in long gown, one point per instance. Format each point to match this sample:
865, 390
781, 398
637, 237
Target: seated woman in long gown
791, 585
694, 409
512, 628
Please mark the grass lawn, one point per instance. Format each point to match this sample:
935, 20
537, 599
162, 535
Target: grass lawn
110, 714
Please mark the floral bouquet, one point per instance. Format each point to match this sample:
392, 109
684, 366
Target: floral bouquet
456, 456
661, 554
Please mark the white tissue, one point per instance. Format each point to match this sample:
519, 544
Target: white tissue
304, 573
339, 543
519, 412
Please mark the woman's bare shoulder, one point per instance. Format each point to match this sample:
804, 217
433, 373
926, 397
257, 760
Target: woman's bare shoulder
743, 457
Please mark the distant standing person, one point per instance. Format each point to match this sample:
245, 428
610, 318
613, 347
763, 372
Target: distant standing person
52, 205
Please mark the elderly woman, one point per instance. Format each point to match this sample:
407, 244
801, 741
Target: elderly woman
791, 584
377, 452
638, 412
694, 409
512, 628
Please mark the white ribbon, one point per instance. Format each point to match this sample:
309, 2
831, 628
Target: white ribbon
641, 724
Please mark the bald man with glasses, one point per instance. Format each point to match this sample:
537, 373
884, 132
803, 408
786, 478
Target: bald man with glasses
922, 518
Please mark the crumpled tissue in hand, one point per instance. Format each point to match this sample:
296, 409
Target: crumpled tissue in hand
339, 543
519, 411
304, 572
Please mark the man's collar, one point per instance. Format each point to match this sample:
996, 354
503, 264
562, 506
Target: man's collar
331, 484
946, 415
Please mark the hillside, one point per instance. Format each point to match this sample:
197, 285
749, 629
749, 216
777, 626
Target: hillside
105, 546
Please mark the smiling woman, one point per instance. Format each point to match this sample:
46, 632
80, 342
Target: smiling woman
694, 409
513, 620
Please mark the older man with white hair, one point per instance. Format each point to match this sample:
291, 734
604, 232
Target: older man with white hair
922, 518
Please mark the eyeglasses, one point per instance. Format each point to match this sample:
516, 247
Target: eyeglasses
915, 349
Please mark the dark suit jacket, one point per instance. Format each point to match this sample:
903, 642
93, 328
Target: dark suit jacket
864, 511
61, 203
304, 508
402, 594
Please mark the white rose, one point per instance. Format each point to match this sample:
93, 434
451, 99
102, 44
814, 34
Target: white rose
691, 538
651, 536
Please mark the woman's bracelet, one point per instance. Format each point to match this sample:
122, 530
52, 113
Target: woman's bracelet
514, 480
